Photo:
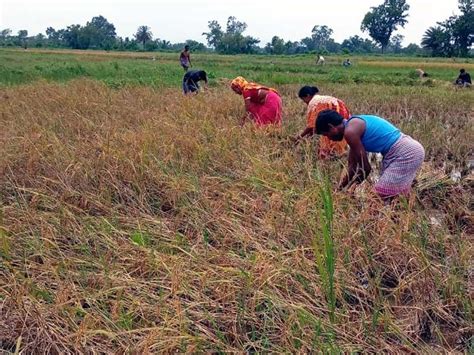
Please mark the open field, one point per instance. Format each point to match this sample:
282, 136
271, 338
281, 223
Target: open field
118, 69
136, 220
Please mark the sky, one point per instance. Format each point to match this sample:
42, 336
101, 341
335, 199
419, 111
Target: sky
179, 20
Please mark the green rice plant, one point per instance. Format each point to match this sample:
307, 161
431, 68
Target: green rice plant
324, 248
140, 238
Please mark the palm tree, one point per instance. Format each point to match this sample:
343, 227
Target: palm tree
438, 40
143, 35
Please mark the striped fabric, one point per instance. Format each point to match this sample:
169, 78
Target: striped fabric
399, 167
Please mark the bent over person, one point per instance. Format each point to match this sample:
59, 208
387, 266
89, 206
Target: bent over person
464, 79
402, 155
316, 104
191, 80
262, 104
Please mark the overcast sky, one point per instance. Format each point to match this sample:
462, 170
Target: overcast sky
178, 20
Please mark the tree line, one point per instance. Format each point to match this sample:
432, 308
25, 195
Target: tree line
98, 33
452, 37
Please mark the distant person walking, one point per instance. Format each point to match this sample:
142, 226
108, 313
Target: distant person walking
185, 58
191, 81
262, 104
317, 103
464, 79
402, 155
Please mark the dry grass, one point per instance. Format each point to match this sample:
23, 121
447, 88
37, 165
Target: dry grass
139, 221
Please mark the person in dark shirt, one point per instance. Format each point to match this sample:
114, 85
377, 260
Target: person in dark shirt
464, 79
191, 79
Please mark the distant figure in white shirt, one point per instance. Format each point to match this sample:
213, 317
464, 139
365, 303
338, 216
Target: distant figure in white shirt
320, 60
421, 73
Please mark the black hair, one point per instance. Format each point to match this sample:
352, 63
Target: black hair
325, 118
307, 91
186, 46
203, 75
462, 71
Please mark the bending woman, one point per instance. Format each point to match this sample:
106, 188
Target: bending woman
263, 104
316, 104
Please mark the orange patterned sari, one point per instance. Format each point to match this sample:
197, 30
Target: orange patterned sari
320, 103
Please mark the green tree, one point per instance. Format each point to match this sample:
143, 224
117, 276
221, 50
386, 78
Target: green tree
332, 46
39, 40
143, 35
437, 39
412, 49
129, 44
235, 27
5, 33
5, 36
76, 37
357, 44
215, 34
71, 36
22, 38
164, 44
294, 47
320, 37
99, 33
384, 19
195, 46
152, 45
396, 43
232, 41
462, 27
276, 46
53, 37
455, 35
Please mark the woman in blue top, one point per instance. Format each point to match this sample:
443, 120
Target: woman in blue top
402, 155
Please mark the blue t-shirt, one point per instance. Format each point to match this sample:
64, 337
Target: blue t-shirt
379, 135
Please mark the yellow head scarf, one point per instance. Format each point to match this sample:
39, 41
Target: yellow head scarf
243, 84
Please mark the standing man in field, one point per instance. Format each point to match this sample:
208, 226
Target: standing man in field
402, 155
185, 58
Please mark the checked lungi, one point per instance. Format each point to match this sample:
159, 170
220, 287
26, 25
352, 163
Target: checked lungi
399, 167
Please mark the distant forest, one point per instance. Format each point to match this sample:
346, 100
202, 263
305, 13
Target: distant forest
452, 37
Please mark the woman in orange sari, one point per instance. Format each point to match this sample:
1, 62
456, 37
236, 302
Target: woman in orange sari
316, 104
263, 104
